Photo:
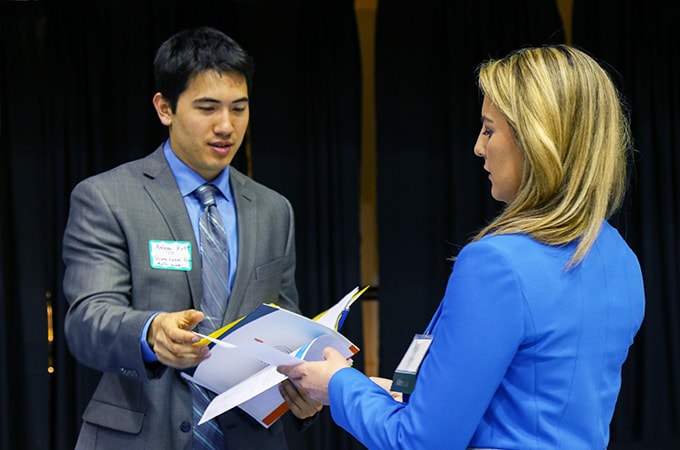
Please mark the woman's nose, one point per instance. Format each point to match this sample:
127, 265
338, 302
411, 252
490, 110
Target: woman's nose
478, 149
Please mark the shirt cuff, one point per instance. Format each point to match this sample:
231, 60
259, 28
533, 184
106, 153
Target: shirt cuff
147, 354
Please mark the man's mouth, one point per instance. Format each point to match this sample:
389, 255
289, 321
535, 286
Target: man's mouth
221, 146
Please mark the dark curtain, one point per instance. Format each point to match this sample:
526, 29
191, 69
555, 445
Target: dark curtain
433, 194
641, 42
307, 91
76, 84
27, 244
432, 191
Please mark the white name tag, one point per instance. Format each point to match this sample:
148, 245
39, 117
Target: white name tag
170, 255
404, 379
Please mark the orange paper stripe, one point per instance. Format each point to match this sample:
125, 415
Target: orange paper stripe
274, 415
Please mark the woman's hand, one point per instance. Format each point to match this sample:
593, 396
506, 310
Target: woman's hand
311, 378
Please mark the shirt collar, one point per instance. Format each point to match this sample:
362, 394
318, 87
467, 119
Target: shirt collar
188, 179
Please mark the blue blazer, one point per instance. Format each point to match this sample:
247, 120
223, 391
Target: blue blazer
112, 290
525, 355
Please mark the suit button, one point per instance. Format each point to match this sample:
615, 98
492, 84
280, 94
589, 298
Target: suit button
185, 426
132, 373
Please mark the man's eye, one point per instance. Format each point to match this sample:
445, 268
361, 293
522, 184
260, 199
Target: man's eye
239, 109
206, 108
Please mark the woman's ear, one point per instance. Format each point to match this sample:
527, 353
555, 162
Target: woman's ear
163, 109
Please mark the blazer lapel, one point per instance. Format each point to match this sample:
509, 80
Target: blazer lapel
163, 190
246, 214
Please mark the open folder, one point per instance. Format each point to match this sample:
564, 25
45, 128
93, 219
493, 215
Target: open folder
245, 354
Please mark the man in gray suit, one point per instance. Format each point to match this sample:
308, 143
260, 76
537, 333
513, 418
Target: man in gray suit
133, 265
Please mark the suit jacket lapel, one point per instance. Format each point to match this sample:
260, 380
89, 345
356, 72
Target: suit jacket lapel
247, 220
163, 190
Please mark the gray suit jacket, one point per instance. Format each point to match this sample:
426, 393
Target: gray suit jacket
112, 290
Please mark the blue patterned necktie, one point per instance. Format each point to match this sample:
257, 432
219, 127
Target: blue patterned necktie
214, 261
215, 270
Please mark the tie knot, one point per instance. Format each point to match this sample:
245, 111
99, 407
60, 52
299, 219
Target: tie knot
206, 195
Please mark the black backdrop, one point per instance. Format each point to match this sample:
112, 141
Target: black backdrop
433, 195
75, 99
641, 40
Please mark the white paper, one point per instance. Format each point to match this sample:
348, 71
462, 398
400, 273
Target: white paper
258, 395
243, 361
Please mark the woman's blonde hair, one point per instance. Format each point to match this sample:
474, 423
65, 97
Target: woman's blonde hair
571, 125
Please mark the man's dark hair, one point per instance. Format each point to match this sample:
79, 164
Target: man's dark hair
193, 51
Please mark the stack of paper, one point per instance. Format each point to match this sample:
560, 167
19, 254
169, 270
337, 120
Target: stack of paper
245, 354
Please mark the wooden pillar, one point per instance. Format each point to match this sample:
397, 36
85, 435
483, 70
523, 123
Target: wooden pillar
366, 14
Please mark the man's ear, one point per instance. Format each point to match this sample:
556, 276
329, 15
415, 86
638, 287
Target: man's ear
163, 109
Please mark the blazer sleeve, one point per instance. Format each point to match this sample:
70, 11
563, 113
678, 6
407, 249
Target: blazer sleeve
102, 329
474, 340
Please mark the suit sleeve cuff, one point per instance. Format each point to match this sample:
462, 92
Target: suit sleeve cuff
147, 354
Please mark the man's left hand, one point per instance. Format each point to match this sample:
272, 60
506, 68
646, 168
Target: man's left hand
299, 404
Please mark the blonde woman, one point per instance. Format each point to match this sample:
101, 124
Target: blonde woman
526, 348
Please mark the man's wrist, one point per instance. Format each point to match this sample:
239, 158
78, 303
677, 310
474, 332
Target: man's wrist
148, 354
